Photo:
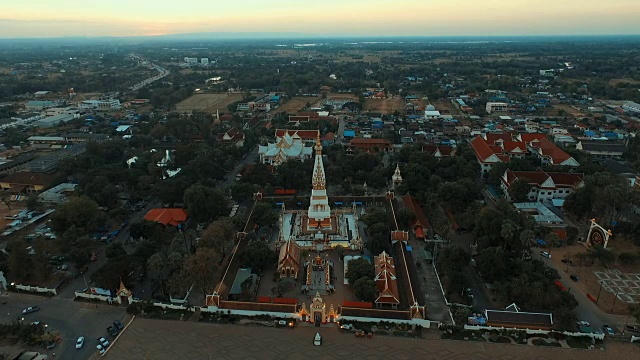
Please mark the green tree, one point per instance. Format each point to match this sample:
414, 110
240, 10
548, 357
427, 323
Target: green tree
365, 289
257, 255
200, 268
359, 268
204, 203
115, 250
264, 214
218, 236
81, 212
519, 190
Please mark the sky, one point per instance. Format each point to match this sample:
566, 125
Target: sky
61, 18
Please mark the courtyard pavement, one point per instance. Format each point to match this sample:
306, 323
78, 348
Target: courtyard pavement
160, 340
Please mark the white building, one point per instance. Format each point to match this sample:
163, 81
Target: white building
497, 107
548, 73
431, 114
319, 212
190, 60
632, 107
204, 61
544, 185
100, 105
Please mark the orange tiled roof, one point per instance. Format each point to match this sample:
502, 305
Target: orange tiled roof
172, 216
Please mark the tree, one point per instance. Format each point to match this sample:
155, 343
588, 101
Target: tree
80, 211
34, 203
359, 268
217, 236
115, 250
339, 250
264, 214
519, 190
203, 202
365, 289
200, 268
375, 215
257, 255
405, 217
156, 264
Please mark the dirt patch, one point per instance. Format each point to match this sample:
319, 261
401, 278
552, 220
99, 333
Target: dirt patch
385, 106
4, 211
445, 107
568, 109
296, 104
208, 102
616, 82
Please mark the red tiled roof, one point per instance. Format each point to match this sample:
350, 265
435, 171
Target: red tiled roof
527, 138
493, 137
539, 177
360, 141
264, 299
420, 220
386, 281
510, 146
329, 136
445, 150
547, 148
357, 304
562, 233
481, 148
288, 301
173, 217
566, 179
303, 134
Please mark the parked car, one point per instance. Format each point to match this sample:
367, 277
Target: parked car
102, 341
112, 331
118, 324
346, 327
101, 349
317, 340
608, 330
582, 323
632, 328
574, 278
282, 323
80, 342
545, 254
30, 309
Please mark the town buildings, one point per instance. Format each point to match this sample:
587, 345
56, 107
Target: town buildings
289, 145
544, 186
232, 137
496, 108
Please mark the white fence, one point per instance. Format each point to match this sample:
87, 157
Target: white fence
421, 322
37, 289
213, 309
107, 299
534, 331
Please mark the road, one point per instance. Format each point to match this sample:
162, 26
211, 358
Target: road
72, 319
251, 157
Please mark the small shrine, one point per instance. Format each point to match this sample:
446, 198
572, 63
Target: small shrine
397, 177
124, 294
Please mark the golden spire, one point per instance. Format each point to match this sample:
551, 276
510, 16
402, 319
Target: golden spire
318, 146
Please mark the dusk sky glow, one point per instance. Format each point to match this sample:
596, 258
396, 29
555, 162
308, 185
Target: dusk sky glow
56, 18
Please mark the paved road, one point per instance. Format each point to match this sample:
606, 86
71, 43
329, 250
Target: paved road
159, 340
72, 319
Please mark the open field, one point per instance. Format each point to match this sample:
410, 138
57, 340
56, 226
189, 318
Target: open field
166, 339
615, 82
445, 107
568, 109
365, 58
208, 102
384, 106
295, 104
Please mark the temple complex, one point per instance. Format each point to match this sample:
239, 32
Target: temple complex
320, 227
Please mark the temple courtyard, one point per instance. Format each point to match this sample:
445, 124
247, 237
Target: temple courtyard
164, 340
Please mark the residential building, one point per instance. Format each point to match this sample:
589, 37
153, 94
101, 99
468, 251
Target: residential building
232, 137
191, 60
40, 104
288, 147
370, 145
431, 114
550, 154
487, 155
548, 73
204, 61
25, 182
622, 170
544, 186
602, 148
631, 107
497, 107
387, 294
308, 137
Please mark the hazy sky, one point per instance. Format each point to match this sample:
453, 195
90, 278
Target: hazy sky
51, 18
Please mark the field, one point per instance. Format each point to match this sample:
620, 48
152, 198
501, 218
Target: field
384, 106
296, 104
568, 109
444, 107
616, 82
208, 102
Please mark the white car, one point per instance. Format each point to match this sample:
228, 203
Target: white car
100, 349
545, 254
346, 327
317, 341
104, 342
80, 342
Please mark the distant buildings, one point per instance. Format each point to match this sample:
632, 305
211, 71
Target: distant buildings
100, 105
602, 148
497, 108
232, 137
370, 145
